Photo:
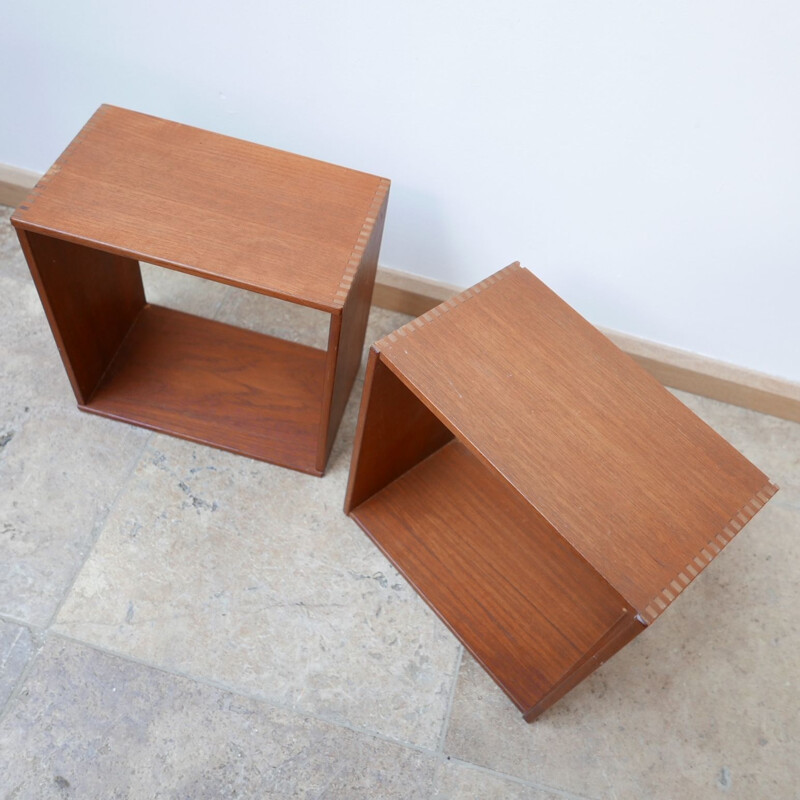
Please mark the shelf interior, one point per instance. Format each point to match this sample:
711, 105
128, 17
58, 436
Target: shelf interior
526, 605
213, 383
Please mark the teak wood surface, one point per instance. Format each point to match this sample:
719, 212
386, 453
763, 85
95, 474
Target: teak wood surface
545, 495
155, 375
133, 187
206, 204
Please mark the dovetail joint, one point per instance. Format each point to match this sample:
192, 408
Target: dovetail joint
654, 608
360, 247
452, 302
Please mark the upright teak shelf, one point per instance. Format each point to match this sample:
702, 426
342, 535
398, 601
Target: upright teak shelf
132, 188
544, 494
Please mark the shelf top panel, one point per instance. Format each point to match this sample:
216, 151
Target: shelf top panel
628, 475
209, 205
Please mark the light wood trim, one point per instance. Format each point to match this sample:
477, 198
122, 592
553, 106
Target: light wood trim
409, 294
15, 184
711, 378
415, 295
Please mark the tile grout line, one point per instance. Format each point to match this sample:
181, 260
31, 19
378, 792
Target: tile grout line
565, 793
450, 701
40, 634
221, 302
10, 650
238, 692
37, 637
441, 758
35, 630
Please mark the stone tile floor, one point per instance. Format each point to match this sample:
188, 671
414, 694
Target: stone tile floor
179, 622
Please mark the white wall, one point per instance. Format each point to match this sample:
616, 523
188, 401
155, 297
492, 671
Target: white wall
641, 157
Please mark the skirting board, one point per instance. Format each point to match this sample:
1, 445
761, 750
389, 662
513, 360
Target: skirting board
15, 183
414, 295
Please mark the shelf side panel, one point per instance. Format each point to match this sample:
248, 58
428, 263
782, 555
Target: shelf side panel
219, 385
520, 599
626, 629
347, 334
395, 432
91, 299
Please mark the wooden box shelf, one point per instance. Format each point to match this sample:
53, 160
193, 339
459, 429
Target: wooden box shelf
545, 495
132, 188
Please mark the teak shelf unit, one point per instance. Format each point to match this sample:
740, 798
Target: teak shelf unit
544, 494
132, 187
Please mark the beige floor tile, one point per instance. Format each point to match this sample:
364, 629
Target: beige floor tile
91, 725
461, 781
16, 649
231, 570
173, 289
32, 376
705, 701
562, 749
59, 476
275, 317
12, 261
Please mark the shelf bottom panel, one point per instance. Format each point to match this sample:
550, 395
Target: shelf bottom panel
525, 604
212, 383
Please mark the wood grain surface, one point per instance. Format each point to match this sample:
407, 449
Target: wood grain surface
630, 477
206, 204
349, 328
544, 494
395, 432
133, 187
216, 384
519, 597
91, 299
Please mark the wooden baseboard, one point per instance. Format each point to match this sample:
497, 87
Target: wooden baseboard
710, 378
15, 183
414, 295
409, 294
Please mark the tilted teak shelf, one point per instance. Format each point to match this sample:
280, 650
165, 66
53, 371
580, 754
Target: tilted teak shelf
131, 188
544, 494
